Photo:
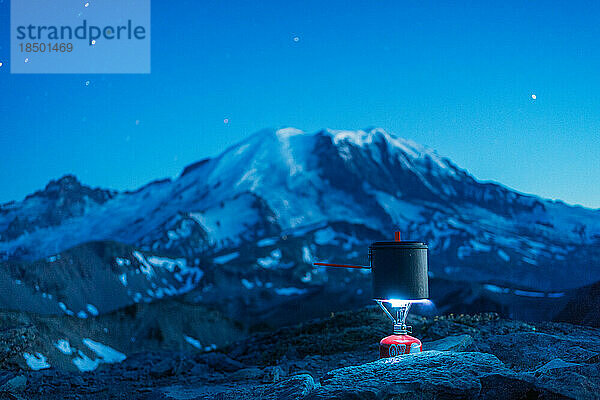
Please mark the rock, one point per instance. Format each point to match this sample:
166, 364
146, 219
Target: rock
77, 381
451, 343
162, 368
15, 340
295, 387
253, 373
199, 370
531, 350
221, 363
11, 382
583, 307
518, 386
574, 381
273, 374
5, 376
556, 363
427, 375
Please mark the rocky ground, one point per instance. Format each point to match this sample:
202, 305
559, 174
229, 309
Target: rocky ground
465, 356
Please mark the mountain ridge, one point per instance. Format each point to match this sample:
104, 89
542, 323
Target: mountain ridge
255, 217
190, 167
194, 165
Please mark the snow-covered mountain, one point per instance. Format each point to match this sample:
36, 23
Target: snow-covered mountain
254, 218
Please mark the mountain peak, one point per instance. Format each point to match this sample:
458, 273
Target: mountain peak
289, 131
66, 182
60, 200
68, 186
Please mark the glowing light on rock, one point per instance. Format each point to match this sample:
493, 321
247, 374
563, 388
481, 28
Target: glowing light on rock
533, 96
226, 121
296, 39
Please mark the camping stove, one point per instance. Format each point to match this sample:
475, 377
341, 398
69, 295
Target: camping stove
399, 342
399, 279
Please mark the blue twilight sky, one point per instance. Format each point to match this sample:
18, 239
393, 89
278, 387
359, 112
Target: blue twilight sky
456, 77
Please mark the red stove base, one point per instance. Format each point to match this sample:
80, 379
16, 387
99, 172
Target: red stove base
395, 345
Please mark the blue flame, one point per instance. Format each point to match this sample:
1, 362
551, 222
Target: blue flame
403, 303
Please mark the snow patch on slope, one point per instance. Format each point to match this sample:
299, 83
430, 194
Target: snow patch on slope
106, 353
36, 361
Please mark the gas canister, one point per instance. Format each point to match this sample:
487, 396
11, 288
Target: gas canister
396, 345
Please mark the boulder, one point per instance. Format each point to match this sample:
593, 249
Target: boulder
570, 380
11, 381
427, 375
221, 363
451, 343
554, 364
273, 374
162, 368
252, 373
531, 350
295, 387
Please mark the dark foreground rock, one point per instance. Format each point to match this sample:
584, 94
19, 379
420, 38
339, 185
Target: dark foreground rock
430, 374
468, 357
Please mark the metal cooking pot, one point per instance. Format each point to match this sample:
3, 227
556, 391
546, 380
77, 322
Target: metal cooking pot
399, 270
